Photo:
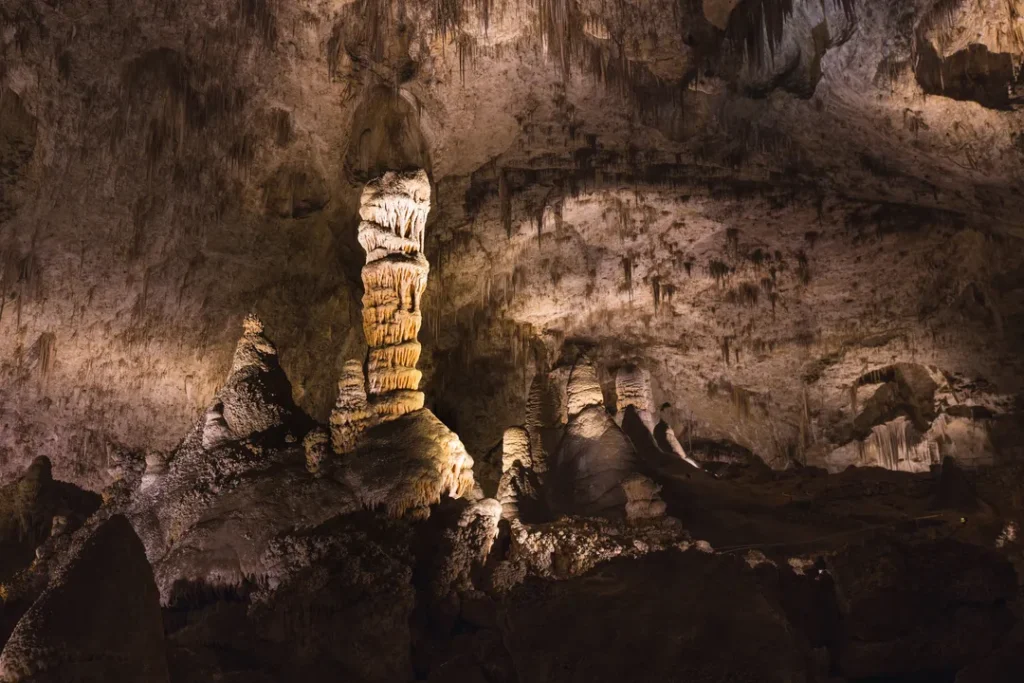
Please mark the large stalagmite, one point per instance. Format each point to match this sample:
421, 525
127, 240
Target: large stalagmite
405, 458
594, 456
393, 215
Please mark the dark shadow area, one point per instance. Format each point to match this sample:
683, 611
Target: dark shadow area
974, 74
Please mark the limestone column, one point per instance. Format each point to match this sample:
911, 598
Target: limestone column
393, 212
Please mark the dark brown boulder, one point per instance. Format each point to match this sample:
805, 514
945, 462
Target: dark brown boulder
99, 621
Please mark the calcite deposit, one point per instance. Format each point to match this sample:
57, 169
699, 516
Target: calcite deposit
393, 212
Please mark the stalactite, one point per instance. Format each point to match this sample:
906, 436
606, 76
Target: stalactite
45, 346
741, 402
719, 271
732, 240
758, 25
505, 202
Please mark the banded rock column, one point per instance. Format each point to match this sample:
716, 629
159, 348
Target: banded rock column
393, 212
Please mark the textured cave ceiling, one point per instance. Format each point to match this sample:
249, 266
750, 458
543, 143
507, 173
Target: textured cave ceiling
760, 202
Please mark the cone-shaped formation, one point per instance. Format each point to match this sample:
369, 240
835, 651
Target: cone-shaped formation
394, 212
98, 621
256, 396
351, 415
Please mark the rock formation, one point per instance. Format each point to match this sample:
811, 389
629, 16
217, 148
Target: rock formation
351, 415
99, 621
653, 438
406, 458
518, 488
256, 397
542, 421
317, 445
633, 389
35, 507
798, 221
594, 456
642, 499
393, 211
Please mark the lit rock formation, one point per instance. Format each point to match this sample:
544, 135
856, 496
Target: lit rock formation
642, 499
405, 458
394, 212
518, 487
317, 445
907, 418
542, 421
633, 389
409, 463
351, 415
667, 441
583, 390
595, 456
515, 446
256, 397
654, 440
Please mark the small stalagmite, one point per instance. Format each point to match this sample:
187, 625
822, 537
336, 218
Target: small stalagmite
393, 212
515, 484
351, 415
256, 396
642, 499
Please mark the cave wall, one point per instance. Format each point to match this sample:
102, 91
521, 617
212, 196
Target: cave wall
168, 167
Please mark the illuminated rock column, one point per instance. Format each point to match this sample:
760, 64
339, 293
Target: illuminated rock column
393, 213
